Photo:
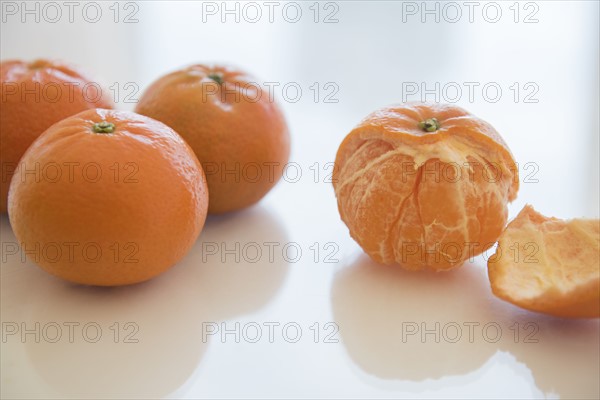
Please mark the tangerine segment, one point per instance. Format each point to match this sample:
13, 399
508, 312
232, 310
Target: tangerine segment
424, 186
108, 198
549, 265
34, 96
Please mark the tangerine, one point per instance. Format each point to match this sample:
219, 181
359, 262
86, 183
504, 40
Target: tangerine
549, 265
108, 198
424, 185
34, 96
237, 131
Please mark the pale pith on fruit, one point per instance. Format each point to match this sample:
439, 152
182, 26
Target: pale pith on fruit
549, 265
388, 191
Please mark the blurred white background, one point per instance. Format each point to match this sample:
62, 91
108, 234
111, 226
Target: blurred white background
543, 56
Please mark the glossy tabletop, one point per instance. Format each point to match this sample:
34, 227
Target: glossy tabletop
277, 301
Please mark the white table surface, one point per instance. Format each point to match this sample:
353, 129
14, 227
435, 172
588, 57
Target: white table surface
362, 346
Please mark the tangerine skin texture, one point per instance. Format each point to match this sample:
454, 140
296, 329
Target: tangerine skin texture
138, 194
229, 127
424, 199
34, 96
549, 265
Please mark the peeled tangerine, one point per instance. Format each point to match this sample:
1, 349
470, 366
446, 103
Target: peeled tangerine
549, 265
424, 185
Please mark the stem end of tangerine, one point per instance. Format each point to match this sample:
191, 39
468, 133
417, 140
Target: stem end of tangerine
103, 127
218, 78
430, 125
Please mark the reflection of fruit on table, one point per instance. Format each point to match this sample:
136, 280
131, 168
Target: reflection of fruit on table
387, 319
163, 345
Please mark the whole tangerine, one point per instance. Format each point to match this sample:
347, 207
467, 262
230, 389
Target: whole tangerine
233, 125
108, 198
33, 97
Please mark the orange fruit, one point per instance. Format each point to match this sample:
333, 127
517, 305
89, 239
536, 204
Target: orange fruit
424, 185
549, 265
107, 198
237, 131
34, 96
